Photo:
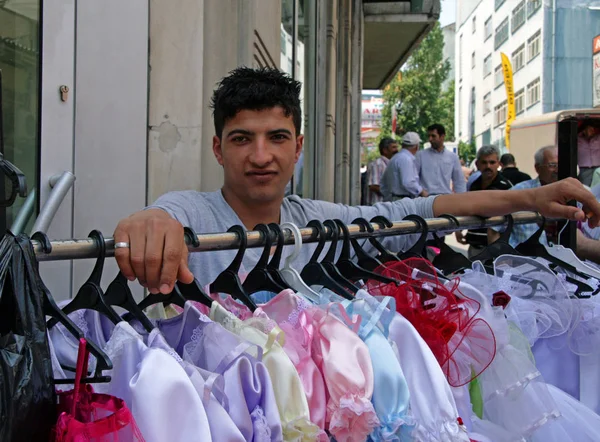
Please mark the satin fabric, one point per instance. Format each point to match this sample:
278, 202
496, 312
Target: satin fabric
289, 394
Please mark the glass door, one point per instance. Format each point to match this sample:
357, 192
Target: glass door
20, 66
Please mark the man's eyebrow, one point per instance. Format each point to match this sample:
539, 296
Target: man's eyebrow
279, 131
239, 132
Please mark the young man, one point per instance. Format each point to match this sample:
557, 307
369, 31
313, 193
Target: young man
510, 170
401, 179
438, 166
588, 152
388, 147
490, 179
257, 142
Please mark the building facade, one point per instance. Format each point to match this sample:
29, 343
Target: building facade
449, 52
116, 93
547, 43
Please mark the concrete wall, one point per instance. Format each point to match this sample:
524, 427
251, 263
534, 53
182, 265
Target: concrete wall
193, 44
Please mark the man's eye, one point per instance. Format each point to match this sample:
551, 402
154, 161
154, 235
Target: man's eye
279, 137
239, 139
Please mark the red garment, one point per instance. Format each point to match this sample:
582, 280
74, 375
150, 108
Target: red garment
463, 344
86, 416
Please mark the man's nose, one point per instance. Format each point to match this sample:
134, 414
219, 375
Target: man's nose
261, 153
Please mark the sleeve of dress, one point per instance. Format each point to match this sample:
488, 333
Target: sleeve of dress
346, 365
165, 403
431, 399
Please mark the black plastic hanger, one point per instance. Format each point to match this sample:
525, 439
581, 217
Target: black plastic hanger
90, 296
416, 251
384, 254
364, 259
314, 273
175, 297
260, 278
275, 262
52, 310
330, 256
499, 247
119, 294
449, 260
194, 292
228, 281
349, 268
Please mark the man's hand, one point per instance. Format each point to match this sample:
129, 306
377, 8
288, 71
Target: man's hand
551, 201
460, 237
157, 253
424, 193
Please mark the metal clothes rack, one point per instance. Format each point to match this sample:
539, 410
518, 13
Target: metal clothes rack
86, 248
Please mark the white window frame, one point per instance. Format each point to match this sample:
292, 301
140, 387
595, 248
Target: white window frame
474, 24
487, 65
534, 46
488, 29
487, 103
501, 33
500, 113
518, 58
533, 6
520, 101
473, 62
519, 17
534, 92
498, 76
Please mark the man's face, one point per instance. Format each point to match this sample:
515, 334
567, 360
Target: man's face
436, 140
258, 151
390, 150
488, 166
589, 132
548, 170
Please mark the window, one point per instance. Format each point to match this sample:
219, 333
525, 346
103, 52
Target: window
533, 92
501, 34
473, 60
520, 101
518, 58
534, 46
487, 29
498, 76
487, 103
460, 51
499, 3
459, 122
533, 6
283, 42
487, 65
518, 17
474, 25
500, 113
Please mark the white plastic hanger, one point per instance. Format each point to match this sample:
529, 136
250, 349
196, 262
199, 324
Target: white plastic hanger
291, 275
567, 255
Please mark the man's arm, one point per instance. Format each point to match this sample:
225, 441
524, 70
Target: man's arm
587, 248
458, 178
409, 179
550, 200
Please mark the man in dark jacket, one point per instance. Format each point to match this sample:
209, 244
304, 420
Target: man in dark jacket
490, 179
510, 170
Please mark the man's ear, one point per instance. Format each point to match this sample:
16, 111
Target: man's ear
217, 150
299, 144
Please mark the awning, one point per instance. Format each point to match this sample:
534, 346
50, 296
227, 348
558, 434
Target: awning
392, 31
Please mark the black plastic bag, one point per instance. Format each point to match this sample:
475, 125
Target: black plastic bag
27, 394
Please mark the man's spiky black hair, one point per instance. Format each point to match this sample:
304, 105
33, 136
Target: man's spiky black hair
255, 89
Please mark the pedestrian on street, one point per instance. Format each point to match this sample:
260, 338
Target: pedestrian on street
401, 178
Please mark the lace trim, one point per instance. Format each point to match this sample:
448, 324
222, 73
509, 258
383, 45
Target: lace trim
194, 340
514, 386
353, 418
396, 428
78, 317
231, 323
260, 425
303, 430
547, 417
294, 316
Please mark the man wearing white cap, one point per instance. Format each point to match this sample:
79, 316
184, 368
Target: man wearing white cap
401, 178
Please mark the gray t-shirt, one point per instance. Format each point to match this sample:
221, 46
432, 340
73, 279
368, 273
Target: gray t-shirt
208, 212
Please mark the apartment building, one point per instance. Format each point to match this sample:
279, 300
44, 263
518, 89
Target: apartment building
547, 43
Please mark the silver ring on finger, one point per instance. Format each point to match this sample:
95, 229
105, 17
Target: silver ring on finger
121, 245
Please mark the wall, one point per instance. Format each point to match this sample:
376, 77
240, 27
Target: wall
193, 44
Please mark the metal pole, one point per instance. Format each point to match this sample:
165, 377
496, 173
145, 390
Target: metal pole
60, 187
24, 214
85, 248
